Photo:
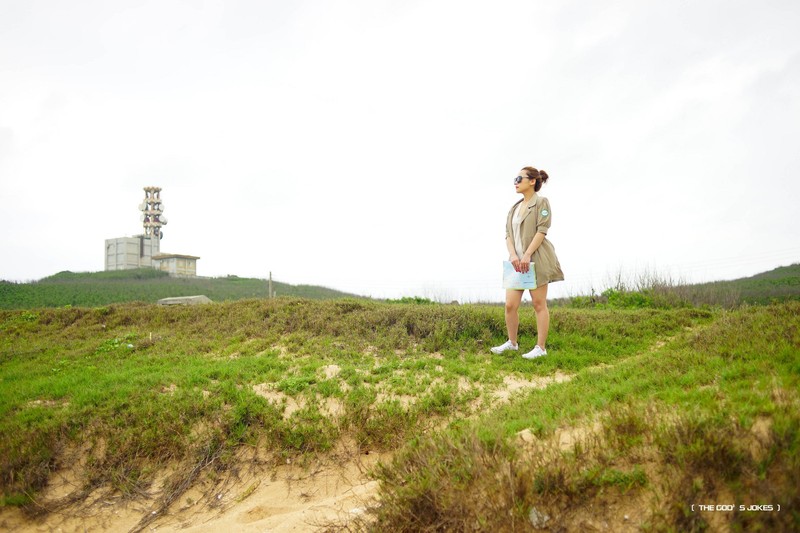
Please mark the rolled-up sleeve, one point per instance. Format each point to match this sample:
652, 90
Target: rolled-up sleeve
544, 217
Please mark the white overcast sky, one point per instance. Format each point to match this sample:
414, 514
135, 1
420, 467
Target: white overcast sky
370, 146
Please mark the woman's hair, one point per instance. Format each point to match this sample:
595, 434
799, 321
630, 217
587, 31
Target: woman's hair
540, 177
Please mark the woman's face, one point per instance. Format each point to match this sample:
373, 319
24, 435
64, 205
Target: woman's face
525, 184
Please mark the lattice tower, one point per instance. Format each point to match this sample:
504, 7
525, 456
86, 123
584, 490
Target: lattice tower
152, 212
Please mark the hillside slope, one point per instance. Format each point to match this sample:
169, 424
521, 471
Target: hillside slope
780, 284
89, 289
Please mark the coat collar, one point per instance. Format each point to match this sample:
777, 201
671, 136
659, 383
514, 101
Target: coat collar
534, 200
531, 205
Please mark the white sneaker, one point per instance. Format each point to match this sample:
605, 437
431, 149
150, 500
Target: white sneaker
536, 352
508, 345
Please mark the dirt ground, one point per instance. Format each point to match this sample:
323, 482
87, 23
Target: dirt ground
289, 498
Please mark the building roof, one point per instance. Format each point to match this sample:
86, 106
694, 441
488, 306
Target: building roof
174, 256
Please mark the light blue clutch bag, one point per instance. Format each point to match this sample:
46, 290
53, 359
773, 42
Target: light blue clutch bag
517, 280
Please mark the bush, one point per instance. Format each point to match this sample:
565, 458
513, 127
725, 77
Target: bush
621, 299
412, 300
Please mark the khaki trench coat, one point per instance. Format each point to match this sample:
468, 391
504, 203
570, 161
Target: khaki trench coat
536, 219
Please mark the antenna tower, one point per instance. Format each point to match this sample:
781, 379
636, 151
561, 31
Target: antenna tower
152, 212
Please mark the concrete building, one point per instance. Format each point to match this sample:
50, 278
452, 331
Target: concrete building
144, 251
124, 253
181, 266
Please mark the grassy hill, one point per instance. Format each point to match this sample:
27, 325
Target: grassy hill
145, 285
90, 289
776, 285
779, 285
634, 418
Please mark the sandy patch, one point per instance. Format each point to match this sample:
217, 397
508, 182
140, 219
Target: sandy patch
287, 498
405, 400
762, 437
291, 405
514, 384
282, 350
332, 407
568, 437
47, 403
565, 438
331, 371
598, 367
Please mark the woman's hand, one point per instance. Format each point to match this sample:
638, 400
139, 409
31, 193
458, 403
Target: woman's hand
524, 263
514, 261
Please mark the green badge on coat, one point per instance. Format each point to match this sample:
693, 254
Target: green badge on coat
545, 212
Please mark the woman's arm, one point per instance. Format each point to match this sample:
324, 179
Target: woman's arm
525, 262
512, 254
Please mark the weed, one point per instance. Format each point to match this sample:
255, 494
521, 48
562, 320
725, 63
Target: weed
613, 477
309, 431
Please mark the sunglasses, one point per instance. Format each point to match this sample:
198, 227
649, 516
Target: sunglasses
518, 180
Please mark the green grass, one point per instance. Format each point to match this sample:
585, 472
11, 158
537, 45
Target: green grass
672, 396
143, 285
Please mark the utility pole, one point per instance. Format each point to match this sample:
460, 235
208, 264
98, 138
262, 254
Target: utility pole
270, 294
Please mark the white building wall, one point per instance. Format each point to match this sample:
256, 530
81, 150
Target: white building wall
182, 267
124, 253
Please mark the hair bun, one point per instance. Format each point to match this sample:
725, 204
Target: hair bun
543, 175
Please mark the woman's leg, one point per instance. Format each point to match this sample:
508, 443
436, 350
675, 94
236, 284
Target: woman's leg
539, 296
513, 299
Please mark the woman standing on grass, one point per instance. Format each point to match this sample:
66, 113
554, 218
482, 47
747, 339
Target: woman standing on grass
526, 229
